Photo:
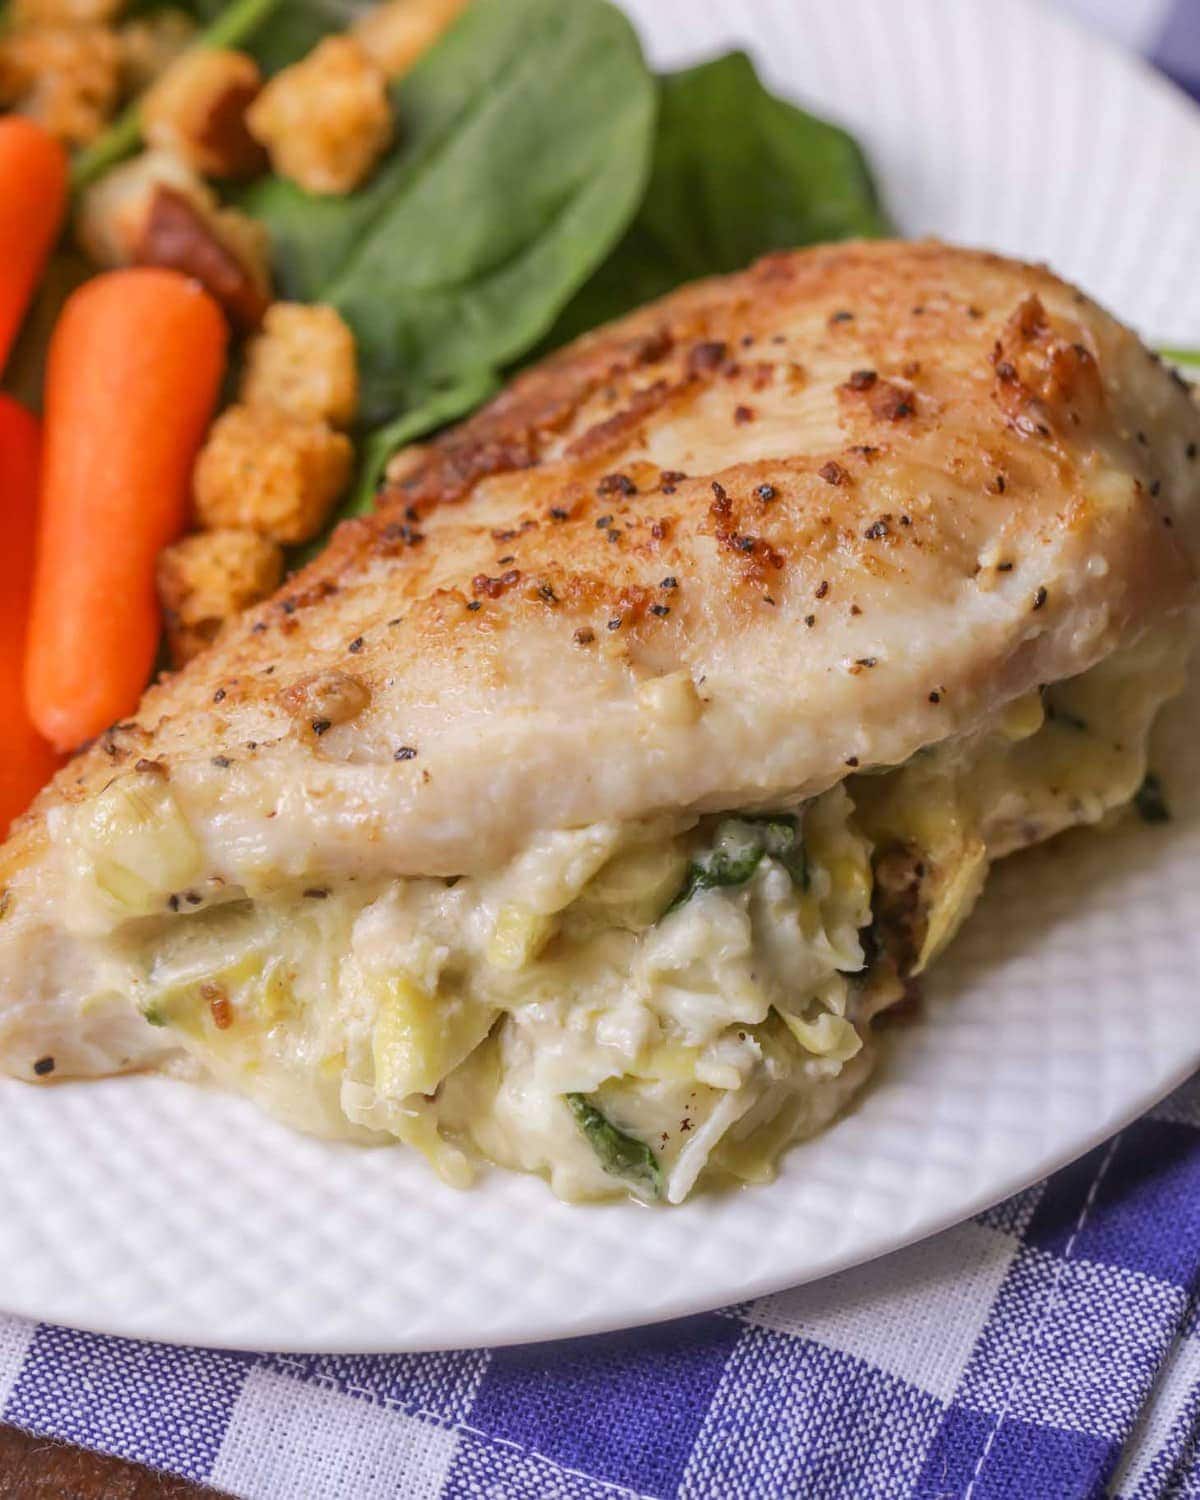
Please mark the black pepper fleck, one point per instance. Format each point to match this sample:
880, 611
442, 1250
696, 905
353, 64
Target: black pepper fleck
670, 582
852, 761
661, 610
219, 696
876, 530
405, 752
765, 492
810, 620
822, 588
1040, 598
615, 623
475, 604
222, 762
321, 726
43, 1066
603, 523
356, 645
935, 697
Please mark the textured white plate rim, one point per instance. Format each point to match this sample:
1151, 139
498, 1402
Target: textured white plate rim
112, 1306
686, 1304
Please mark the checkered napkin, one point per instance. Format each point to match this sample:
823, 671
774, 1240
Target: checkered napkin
1044, 1351
1048, 1350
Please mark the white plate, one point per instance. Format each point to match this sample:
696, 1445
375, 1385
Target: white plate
1070, 1004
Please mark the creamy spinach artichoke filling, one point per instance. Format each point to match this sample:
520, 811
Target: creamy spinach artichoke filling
624, 1008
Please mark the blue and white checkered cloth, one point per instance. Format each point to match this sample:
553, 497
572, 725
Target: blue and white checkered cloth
1048, 1350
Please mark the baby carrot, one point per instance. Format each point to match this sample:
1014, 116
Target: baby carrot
33, 195
26, 760
135, 366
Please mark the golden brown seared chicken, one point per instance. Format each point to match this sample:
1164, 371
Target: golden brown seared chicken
532, 819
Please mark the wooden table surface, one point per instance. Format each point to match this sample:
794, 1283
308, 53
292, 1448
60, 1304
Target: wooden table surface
34, 1469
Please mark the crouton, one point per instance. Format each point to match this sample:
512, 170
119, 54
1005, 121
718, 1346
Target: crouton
303, 362
326, 120
397, 33
150, 45
154, 210
198, 110
67, 78
277, 474
110, 221
225, 251
65, 12
209, 578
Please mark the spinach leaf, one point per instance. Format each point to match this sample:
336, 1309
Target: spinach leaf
739, 848
1151, 801
523, 148
620, 1155
736, 173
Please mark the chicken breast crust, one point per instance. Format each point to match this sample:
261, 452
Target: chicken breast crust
806, 518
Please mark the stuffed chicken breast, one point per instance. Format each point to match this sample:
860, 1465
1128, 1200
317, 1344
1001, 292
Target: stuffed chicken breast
580, 809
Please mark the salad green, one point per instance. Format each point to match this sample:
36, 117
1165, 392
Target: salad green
619, 1154
542, 182
739, 847
736, 173
523, 148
